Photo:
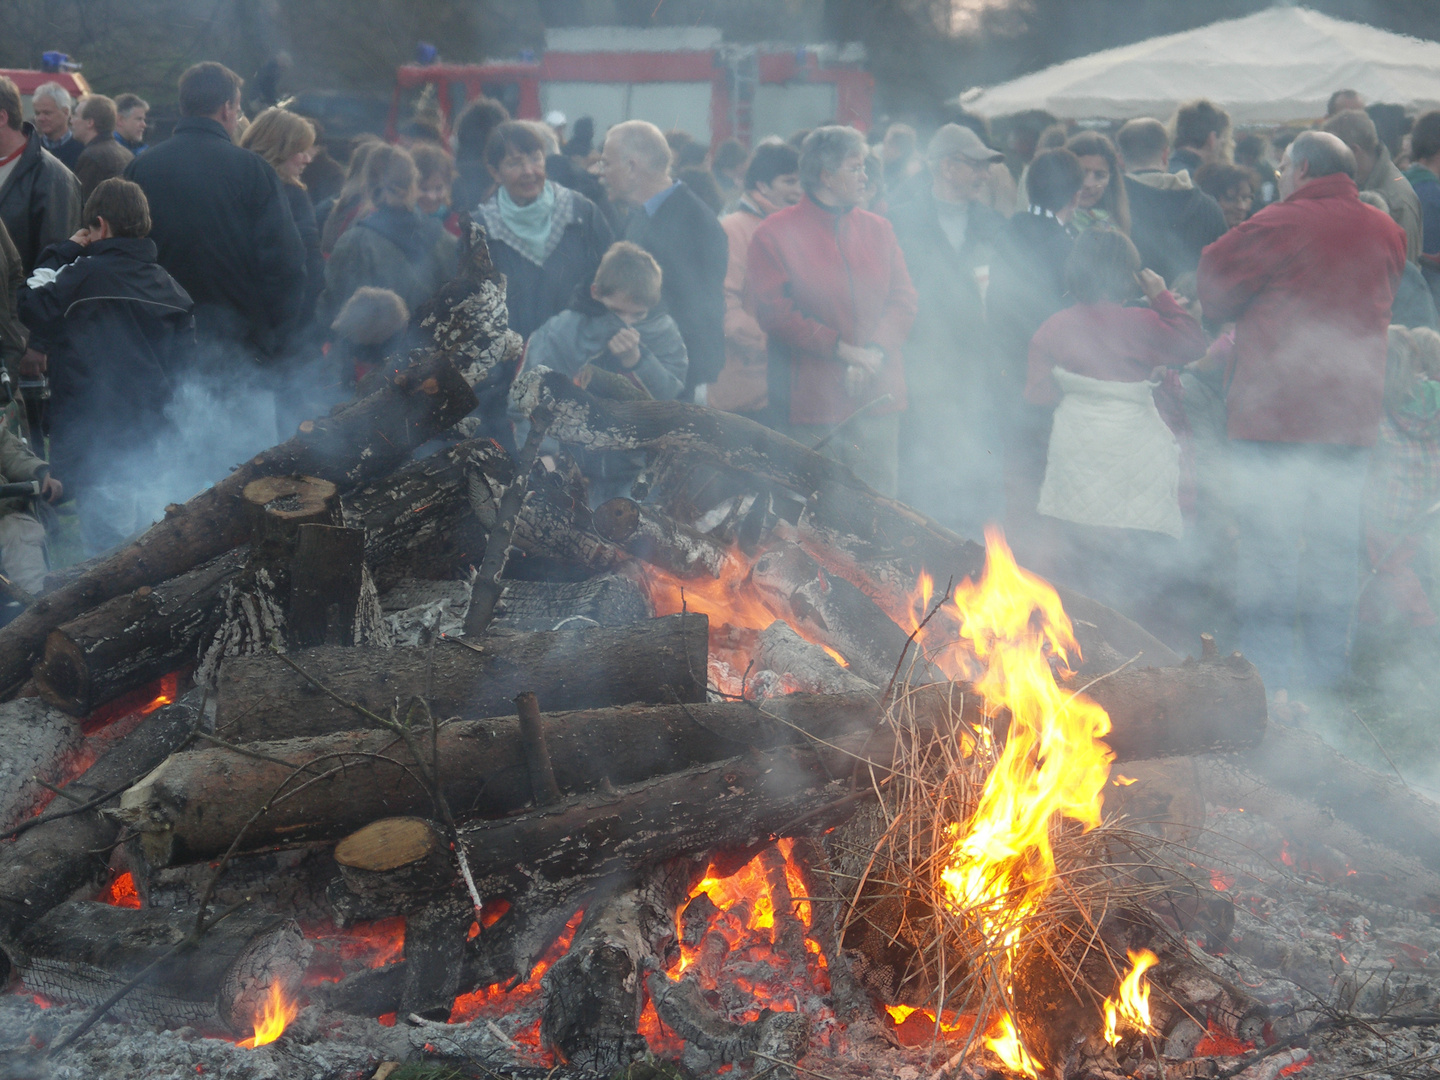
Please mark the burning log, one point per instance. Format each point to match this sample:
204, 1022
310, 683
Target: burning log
607, 600
594, 993
650, 535
833, 610
548, 530
46, 864
84, 951
40, 742
132, 640
779, 648
364, 439
662, 660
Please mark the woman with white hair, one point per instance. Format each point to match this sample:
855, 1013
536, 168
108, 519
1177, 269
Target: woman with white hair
831, 291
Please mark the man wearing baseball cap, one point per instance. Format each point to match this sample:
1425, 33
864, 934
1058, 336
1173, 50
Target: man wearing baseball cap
949, 449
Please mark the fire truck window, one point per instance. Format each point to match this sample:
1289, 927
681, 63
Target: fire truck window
781, 108
673, 105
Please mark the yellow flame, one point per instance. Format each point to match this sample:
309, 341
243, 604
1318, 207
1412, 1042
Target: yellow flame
1131, 1004
1009, 628
272, 1020
835, 656
1124, 781
1006, 1045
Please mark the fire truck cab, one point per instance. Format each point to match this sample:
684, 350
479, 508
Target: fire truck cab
685, 78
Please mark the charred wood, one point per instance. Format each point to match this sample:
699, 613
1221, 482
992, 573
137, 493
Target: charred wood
132, 640
656, 538
40, 743
606, 600
46, 864
364, 439
327, 579
661, 660
84, 951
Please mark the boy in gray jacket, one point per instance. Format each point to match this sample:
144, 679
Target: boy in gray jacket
616, 328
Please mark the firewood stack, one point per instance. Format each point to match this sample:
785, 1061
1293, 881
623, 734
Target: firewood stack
485, 786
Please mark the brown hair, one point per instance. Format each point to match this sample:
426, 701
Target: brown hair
1114, 201
390, 172
100, 111
630, 269
277, 135
207, 87
1102, 267
513, 136
122, 204
432, 161
10, 102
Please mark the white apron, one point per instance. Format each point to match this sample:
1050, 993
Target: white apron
1113, 461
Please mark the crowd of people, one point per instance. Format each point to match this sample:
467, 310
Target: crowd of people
1194, 381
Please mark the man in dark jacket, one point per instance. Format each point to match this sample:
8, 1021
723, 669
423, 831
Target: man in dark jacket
949, 444
1027, 286
1309, 283
120, 330
222, 225
52, 104
103, 157
668, 220
39, 197
1171, 220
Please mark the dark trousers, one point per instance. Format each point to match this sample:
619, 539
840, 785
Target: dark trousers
1297, 509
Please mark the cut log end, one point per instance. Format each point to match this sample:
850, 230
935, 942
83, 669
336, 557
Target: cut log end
63, 675
292, 498
388, 844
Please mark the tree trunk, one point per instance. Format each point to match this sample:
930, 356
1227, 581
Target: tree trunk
132, 640
662, 660
327, 576
364, 439
46, 864
84, 951
194, 805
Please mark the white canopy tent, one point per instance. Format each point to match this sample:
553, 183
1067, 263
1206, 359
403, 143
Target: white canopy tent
1276, 66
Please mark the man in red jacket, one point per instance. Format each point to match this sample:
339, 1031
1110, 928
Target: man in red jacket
1308, 283
830, 289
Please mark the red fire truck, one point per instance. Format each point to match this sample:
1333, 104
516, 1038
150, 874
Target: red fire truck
684, 78
28, 81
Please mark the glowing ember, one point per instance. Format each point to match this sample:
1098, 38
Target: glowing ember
122, 892
1131, 1005
503, 998
272, 1020
835, 656
1006, 630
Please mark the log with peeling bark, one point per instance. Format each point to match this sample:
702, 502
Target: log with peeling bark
132, 640
661, 660
364, 439
428, 519
195, 804
653, 536
46, 864
83, 951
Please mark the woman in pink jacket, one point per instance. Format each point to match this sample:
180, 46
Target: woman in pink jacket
831, 292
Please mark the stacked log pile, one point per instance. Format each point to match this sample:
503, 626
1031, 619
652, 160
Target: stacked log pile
581, 761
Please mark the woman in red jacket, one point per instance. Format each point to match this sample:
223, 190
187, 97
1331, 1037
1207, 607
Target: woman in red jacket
831, 291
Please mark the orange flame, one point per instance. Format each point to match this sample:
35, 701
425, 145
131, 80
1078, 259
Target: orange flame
835, 655
1007, 629
469, 1006
272, 1019
1131, 1004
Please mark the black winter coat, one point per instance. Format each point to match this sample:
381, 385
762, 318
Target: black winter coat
534, 292
1171, 225
693, 252
1027, 286
948, 355
120, 330
223, 228
302, 210
40, 202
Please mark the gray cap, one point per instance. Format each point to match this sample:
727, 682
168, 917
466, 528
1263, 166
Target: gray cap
956, 139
